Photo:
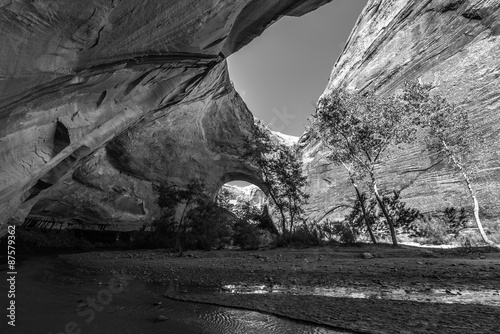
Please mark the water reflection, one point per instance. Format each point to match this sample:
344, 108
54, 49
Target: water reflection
484, 297
229, 321
49, 292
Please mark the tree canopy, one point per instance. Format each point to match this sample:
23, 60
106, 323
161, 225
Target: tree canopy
282, 172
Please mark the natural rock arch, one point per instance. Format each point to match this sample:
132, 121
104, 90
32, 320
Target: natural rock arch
239, 176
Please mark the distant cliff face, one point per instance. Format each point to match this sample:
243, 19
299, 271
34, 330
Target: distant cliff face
98, 99
451, 44
251, 194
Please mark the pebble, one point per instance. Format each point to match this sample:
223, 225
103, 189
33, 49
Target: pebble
367, 256
161, 318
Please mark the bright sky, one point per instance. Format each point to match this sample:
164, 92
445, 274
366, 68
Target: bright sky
282, 73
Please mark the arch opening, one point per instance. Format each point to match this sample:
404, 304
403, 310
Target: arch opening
242, 179
247, 198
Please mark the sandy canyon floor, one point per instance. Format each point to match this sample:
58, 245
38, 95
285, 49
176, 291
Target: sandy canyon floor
399, 290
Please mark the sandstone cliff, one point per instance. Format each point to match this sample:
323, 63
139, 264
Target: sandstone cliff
451, 44
101, 98
250, 193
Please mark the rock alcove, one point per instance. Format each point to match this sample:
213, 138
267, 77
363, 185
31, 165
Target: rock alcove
101, 98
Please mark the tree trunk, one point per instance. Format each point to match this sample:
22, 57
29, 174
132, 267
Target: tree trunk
365, 215
178, 244
283, 223
386, 215
473, 196
476, 208
291, 229
283, 218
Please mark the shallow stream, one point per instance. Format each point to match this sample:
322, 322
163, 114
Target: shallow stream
55, 297
489, 297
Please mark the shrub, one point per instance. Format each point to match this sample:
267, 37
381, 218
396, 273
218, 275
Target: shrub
455, 220
404, 218
306, 236
347, 233
208, 226
430, 230
326, 230
246, 234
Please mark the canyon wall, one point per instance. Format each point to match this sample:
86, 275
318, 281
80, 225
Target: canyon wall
451, 44
101, 98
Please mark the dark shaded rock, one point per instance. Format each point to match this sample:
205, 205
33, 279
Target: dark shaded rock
161, 318
77, 79
367, 256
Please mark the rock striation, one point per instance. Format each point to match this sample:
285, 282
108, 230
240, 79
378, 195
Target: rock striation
201, 137
451, 44
101, 98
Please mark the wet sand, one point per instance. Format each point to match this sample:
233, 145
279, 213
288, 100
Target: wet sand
54, 296
453, 292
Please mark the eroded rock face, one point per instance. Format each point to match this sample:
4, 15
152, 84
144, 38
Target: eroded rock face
451, 44
91, 90
251, 194
201, 137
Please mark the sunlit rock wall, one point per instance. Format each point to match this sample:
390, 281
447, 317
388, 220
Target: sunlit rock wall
453, 45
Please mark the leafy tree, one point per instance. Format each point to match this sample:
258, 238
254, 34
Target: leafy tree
252, 223
450, 134
246, 210
359, 130
455, 220
326, 229
402, 216
208, 226
246, 234
170, 197
282, 172
223, 199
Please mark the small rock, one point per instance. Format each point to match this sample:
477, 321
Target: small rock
161, 318
427, 253
157, 303
367, 256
